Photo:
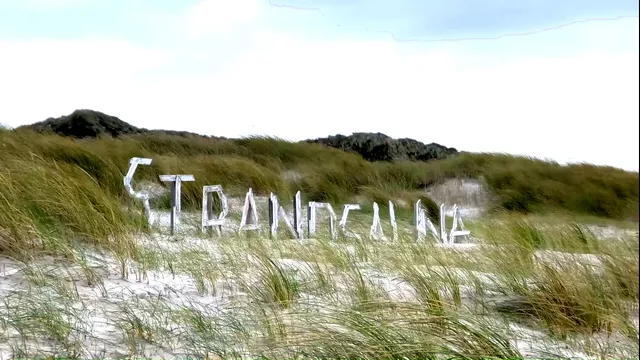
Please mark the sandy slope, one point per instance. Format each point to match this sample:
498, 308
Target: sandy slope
99, 313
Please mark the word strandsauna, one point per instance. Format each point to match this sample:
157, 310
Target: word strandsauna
294, 223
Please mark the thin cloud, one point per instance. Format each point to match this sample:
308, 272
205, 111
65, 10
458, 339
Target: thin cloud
459, 39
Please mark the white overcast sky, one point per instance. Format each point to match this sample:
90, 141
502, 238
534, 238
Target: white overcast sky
241, 67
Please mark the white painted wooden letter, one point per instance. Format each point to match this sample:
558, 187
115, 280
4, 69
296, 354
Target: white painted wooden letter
392, 219
422, 222
276, 211
457, 221
376, 228
298, 219
273, 216
176, 196
208, 219
249, 219
343, 221
141, 195
418, 220
311, 218
443, 225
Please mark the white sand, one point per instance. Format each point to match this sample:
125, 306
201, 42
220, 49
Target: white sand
100, 308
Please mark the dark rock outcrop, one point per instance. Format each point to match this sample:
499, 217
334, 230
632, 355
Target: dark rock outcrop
91, 124
83, 124
380, 147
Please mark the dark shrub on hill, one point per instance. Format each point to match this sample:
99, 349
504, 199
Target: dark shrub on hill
85, 124
92, 124
380, 147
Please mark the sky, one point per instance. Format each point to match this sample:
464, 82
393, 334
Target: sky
554, 79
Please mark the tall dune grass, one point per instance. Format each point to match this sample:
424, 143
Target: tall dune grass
55, 187
267, 165
47, 205
320, 299
59, 196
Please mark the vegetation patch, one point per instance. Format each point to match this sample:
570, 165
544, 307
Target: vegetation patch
82, 275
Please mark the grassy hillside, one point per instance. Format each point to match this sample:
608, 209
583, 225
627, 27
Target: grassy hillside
306, 299
55, 185
321, 173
